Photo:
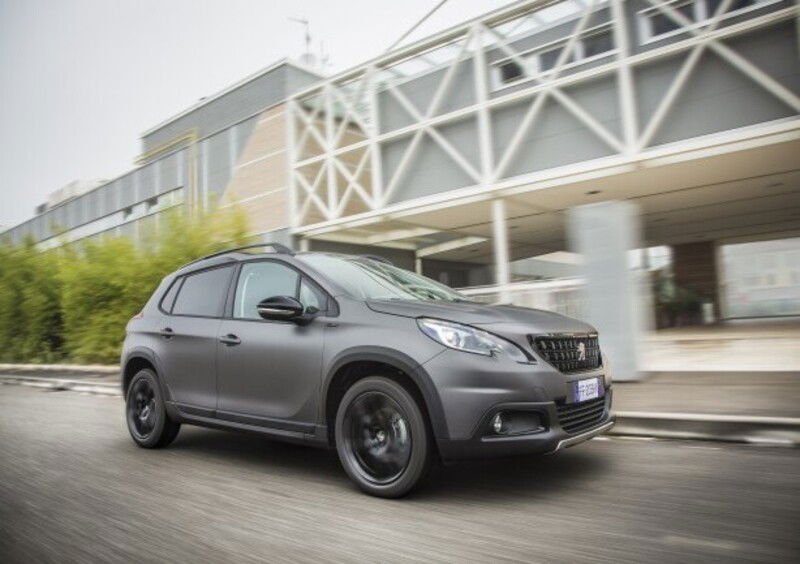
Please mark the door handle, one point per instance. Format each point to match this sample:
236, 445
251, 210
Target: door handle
166, 332
230, 339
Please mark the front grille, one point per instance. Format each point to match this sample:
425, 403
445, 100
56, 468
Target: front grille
568, 353
577, 417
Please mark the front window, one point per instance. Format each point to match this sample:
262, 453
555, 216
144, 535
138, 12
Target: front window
268, 279
369, 279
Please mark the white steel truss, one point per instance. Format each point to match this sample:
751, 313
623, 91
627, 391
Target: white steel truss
336, 161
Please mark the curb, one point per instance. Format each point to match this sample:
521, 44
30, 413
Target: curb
778, 431
80, 368
60, 385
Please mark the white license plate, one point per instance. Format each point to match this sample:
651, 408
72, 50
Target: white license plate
587, 389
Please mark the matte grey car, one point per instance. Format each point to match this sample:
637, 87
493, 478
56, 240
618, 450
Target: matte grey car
392, 369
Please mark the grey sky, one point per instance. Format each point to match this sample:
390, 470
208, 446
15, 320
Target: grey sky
81, 79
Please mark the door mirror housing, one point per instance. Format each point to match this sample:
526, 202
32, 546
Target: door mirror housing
283, 308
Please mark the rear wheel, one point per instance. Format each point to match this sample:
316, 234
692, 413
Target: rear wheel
382, 438
146, 414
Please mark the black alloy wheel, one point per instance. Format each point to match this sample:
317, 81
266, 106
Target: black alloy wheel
146, 415
382, 437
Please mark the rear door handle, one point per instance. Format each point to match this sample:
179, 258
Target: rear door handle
166, 332
230, 339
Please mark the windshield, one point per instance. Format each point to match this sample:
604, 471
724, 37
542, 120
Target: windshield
370, 279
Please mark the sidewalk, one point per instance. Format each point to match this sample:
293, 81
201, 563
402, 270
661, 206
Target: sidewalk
753, 345
758, 394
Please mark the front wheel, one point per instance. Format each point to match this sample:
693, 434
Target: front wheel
382, 438
145, 413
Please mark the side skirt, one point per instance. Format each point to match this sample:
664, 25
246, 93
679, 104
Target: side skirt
312, 435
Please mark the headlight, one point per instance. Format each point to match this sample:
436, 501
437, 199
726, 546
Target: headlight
469, 339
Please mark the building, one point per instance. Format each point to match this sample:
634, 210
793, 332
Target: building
227, 147
461, 154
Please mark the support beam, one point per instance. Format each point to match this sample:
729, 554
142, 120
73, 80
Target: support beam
501, 260
449, 246
603, 233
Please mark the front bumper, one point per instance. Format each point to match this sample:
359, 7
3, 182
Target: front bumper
552, 437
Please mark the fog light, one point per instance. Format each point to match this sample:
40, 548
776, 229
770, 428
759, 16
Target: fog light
497, 423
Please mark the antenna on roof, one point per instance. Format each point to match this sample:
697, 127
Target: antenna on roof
308, 57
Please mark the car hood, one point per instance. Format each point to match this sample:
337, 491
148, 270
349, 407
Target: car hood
504, 319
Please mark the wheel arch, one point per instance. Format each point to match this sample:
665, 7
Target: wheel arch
361, 362
138, 359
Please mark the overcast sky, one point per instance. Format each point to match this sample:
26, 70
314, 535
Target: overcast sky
81, 79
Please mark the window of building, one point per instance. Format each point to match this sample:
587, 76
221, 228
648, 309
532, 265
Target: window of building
655, 24
660, 23
261, 280
596, 42
510, 72
547, 59
203, 294
152, 203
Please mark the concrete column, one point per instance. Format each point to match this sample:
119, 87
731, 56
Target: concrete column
694, 266
418, 265
603, 233
501, 260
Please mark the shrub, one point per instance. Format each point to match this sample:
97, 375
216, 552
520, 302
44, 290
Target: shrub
74, 302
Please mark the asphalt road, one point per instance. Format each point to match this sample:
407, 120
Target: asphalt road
74, 488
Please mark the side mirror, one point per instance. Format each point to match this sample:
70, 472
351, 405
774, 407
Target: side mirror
283, 308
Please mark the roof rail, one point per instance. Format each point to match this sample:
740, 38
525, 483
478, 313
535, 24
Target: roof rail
378, 258
277, 247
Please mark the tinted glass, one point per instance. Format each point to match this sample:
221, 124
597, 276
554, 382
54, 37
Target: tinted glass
510, 72
597, 43
203, 293
259, 281
169, 297
661, 23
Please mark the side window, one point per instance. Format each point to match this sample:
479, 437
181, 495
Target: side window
259, 281
169, 297
311, 298
204, 293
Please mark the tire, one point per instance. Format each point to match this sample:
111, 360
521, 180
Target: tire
382, 437
146, 414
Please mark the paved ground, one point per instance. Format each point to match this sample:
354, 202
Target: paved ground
73, 488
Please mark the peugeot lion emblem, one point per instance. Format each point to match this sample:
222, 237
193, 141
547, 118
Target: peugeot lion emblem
581, 351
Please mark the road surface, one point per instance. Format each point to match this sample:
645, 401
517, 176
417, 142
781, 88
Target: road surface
74, 488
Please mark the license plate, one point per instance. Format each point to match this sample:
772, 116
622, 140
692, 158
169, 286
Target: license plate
587, 389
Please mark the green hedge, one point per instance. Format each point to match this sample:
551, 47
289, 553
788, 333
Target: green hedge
72, 303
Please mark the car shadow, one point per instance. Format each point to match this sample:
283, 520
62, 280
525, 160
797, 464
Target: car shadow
502, 478
513, 478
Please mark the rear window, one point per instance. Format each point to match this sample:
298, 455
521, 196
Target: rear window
203, 294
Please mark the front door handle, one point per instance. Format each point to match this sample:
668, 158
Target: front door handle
166, 332
230, 339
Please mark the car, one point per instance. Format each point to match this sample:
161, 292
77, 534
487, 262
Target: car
392, 369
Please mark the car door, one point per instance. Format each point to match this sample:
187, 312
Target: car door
189, 338
269, 371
